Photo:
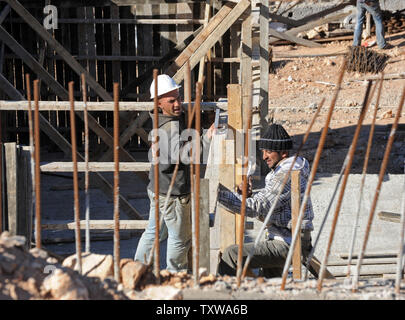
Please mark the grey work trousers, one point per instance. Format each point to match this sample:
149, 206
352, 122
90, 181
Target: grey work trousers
270, 255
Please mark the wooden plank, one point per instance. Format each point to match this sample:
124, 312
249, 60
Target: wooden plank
60, 50
10, 155
264, 63
390, 216
303, 42
91, 105
203, 46
369, 261
295, 208
94, 224
94, 166
204, 225
315, 267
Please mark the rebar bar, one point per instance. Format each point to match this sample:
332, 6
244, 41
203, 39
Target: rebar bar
363, 178
155, 146
351, 151
86, 161
116, 88
363, 60
378, 188
400, 257
266, 220
37, 168
196, 233
31, 141
312, 176
1, 178
75, 178
245, 164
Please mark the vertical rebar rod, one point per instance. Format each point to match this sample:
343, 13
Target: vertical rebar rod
378, 188
75, 177
241, 231
31, 141
266, 220
156, 173
196, 234
401, 243
312, 176
86, 163
364, 172
351, 151
1, 178
116, 88
37, 168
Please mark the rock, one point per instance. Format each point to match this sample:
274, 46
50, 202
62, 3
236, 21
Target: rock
131, 273
311, 34
8, 262
202, 272
163, 293
387, 114
11, 241
62, 286
93, 265
208, 279
39, 253
289, 79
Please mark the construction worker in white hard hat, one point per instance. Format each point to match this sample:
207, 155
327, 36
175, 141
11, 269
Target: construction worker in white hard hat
176, 224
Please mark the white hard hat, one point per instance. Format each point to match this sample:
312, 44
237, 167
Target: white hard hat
165, 85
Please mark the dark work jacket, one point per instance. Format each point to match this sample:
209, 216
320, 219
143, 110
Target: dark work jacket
172, 126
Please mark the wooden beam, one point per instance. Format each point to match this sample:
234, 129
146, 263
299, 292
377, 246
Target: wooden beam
288, 37
59, 49
94, 224
204, 225
295, 208
389, 216
264, 63
196, 55
94, 166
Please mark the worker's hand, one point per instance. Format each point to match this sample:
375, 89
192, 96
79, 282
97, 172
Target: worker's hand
210, 131
249, 187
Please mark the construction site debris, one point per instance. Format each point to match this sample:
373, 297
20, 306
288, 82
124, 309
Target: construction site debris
364, 60
93, 265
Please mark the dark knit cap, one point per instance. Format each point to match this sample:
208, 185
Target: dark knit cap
276, 139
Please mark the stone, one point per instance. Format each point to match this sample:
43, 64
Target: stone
208, 279
62, 286
131, 273
93, 265
163, 293
387, 114
39, 253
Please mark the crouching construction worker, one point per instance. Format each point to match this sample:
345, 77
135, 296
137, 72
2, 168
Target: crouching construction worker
176, 225
271, 253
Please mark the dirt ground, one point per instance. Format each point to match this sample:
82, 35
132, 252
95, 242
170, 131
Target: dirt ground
298, 84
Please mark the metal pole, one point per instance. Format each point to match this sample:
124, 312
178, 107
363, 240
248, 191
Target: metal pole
401, 244
37, 169
155, 145
377, 192
86, 161
351, 151
75, 177
266, 220
312, 176
117, 277
31, 140
363, 178
196, 233
245, 164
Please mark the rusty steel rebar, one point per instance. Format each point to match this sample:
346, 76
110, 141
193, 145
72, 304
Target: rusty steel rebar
196, 217
245, 163
116, 88
86, 164
155, 145
75, 177
31, 141
285, 180
378, 188
1, 178
312, 176
364, 172
37, 168
351, 152
400, 257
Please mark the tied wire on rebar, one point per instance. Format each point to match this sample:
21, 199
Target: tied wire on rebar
86, 163
326, 215
312, 177
280, 190
377, 192
37, 167
117, 277
363, 178
351, 152
363, 60
75, 178
31, 141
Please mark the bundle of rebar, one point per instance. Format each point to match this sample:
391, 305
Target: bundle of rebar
363, 60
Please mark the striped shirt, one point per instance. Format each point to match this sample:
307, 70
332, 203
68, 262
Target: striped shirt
260, 203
